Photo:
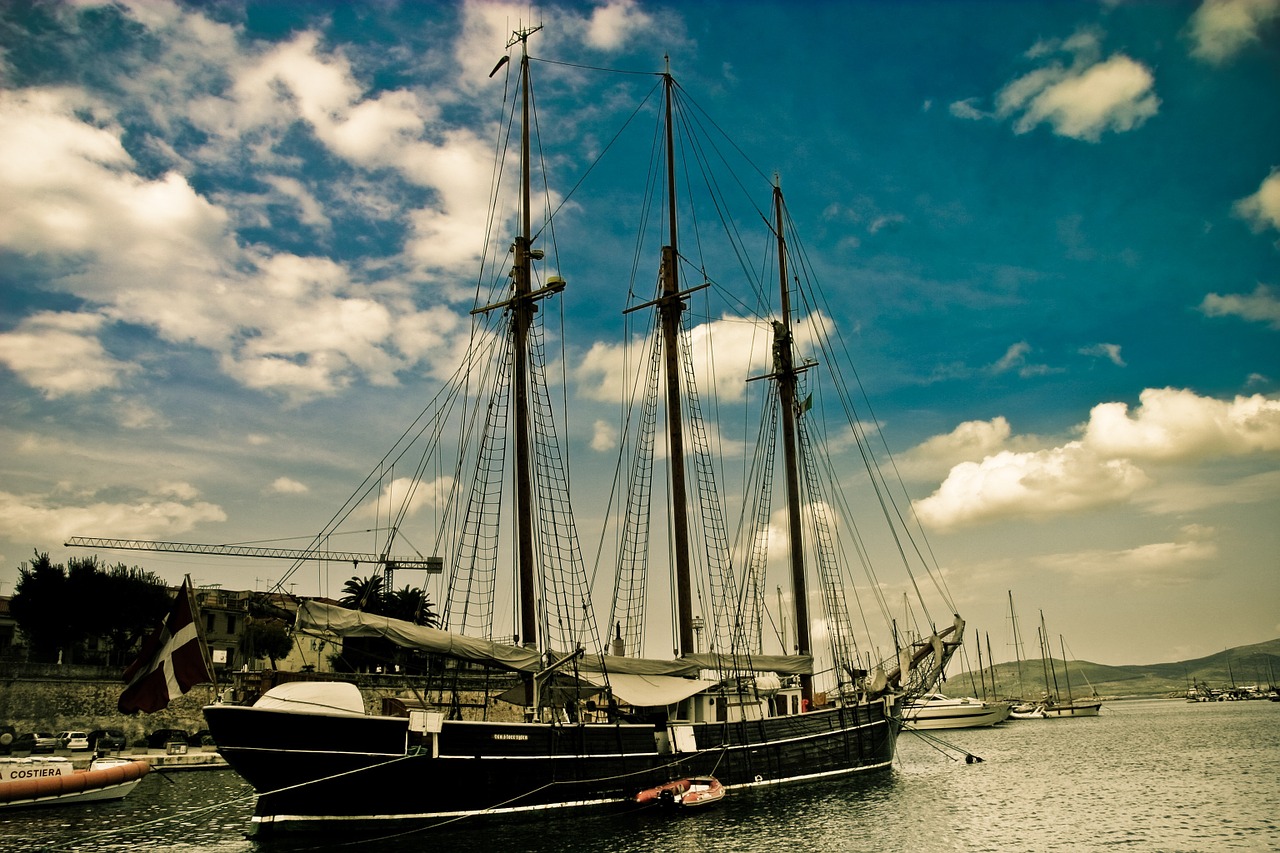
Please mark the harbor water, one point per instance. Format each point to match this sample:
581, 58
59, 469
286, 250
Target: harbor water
1145, 775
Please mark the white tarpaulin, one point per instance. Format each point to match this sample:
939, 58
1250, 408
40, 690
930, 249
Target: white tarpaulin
649, 691
319, 617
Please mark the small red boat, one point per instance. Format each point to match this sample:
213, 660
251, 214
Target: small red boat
53, 781
693, 792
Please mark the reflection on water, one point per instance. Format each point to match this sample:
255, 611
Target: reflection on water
1149, 775
190, 810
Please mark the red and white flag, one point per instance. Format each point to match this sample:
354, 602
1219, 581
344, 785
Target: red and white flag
172, 661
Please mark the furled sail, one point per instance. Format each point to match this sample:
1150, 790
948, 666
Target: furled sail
316, 617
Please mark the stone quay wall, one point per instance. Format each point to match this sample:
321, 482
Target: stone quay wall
53, 698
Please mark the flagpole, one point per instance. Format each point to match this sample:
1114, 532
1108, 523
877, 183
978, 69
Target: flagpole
172, 660
204, 647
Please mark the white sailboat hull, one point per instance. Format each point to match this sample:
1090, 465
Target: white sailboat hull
936, 711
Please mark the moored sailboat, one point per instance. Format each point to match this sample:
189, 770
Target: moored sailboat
592, 721
1053, 706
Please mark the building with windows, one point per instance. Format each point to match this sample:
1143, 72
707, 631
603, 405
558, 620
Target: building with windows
8, 631
228, 619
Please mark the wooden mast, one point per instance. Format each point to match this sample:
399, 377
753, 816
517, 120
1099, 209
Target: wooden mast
786, 373
523, 306
670, 308
522, 318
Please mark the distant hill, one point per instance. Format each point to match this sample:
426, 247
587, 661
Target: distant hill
1256, 664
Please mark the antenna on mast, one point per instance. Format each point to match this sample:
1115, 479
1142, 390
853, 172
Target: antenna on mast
522, 35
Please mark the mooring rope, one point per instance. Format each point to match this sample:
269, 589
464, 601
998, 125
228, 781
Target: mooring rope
938, 744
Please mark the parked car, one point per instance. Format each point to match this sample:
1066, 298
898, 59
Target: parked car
161, 737
35, 742
201, 738
73, 740
111, 740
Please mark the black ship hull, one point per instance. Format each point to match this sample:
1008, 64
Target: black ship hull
330, 771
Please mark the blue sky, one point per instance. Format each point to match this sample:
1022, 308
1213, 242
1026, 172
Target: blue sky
238, 246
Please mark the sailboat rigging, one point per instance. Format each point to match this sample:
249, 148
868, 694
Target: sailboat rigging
585, 717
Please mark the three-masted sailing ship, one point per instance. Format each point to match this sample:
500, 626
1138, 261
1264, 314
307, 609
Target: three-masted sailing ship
592, 721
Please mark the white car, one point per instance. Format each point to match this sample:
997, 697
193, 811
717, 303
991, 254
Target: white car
74, 740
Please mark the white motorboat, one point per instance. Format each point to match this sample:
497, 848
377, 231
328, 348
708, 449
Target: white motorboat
935, 711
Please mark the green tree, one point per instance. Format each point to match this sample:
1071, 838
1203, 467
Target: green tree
58, 608
265, 638
134, 602
39, 607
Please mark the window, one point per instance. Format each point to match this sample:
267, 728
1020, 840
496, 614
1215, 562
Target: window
231, 623
208, 623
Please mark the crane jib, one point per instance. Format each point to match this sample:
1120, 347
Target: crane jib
431, 565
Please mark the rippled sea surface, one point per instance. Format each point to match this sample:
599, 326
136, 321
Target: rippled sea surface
1145, 775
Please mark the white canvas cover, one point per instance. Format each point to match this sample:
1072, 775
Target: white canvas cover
314, 697
641, 691
316, 617
650, 691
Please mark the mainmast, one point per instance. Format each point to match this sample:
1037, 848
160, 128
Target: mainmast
671, 306
785, 372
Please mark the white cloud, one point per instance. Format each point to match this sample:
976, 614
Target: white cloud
608, 372
288, 486
157, 254
42, 518
1081, 100
1111, 352
1189, 557
407, 495
968, 109
1261, 306
1015, 359
152, 251
135, 414
66, 185
1102, 468
1222, 28
1172, 423
1262, 209
1036, 484
58, 353
604, 436
292, 191
612, 24
971, 441
612, 372
298, 82
1194, 494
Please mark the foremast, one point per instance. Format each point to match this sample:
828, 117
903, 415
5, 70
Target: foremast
522, 318
523, 305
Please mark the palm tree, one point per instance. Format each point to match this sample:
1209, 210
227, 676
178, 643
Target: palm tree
410, 604
363, 594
